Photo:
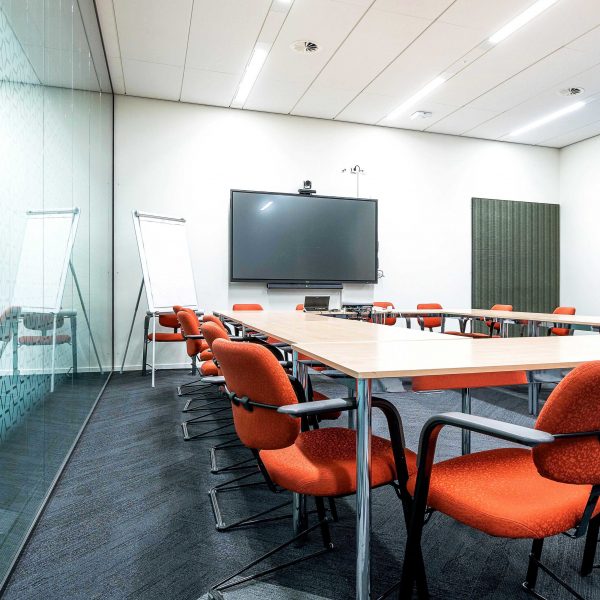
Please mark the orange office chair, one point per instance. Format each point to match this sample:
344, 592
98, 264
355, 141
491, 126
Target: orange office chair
167, 320
272, 418
465, 382
197, 346
299, 306
388, 320
430, 322
562, 310
519, 493
247, 307
493, 325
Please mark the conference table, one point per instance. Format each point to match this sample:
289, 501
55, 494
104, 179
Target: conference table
533, 320
365, 351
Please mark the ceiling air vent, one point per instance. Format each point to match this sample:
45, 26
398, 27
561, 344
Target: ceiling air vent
571, 91
305, 47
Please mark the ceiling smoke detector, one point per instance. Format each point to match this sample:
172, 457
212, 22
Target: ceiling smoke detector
571, 91
305, 47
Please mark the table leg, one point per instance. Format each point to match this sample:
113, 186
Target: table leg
466, 408
363, 490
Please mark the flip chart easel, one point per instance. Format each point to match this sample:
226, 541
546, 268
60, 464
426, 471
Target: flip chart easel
167, 270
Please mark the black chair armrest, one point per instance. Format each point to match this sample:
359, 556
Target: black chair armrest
286, 364
317, 407
491, 427
214, 380
195, 336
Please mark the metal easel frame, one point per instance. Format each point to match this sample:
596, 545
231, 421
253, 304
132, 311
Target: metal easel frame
152, 312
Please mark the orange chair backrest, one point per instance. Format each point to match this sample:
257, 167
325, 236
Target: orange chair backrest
573, 405
299, 306
251, 370
562, 310
504, 307
213, 319
430, 322
190, 326
388, 320
247, 307
169, 320
211, 332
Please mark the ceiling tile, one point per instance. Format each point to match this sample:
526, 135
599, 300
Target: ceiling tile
426, 9
375, 42
153, 30
326, 22
461, 120
575, 135
208, 87
368, 108
438, 47
223, 34
152, 80
404, 121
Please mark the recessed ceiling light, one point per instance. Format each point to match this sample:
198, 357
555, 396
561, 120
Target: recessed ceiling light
531, 13
259, 55
550, 117
421, 114
432, 85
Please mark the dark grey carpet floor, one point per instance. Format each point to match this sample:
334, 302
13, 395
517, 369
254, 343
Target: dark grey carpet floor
130, 518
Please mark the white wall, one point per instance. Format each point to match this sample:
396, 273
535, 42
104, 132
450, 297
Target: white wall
580, 235
183, 159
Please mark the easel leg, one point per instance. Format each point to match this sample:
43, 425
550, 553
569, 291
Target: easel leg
137, 304
146, 341
53, 353
86, 316
74, 343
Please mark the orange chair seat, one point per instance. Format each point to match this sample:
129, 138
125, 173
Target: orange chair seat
501, 493
209, 369
322, 462
206, 355
468, 380
166, 337
43, 340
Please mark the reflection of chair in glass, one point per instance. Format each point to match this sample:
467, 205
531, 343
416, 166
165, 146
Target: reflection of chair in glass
48, 324
9, 322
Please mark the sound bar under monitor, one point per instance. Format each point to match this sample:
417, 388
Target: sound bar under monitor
282, 285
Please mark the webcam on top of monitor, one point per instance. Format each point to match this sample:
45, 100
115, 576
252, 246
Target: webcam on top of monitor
306, 189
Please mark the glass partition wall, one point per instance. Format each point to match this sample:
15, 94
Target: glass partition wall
56, 157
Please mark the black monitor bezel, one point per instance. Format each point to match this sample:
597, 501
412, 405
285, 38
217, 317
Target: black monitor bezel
233, 279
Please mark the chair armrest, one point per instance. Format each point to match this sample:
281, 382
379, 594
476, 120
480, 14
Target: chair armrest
213, 380
317, 407
491, 427
286, 364
195, 336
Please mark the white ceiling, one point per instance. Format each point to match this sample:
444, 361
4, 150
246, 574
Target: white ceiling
374, 55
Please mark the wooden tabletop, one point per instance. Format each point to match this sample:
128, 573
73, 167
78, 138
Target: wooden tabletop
370, 360
298, 326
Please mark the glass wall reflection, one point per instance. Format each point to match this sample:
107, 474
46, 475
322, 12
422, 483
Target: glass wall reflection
56, 241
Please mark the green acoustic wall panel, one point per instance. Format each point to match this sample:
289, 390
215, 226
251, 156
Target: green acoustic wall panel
515, 254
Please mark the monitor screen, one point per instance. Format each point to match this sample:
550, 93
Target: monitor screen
297, 238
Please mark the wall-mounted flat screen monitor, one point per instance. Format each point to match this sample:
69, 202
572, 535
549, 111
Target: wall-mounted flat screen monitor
297, 238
